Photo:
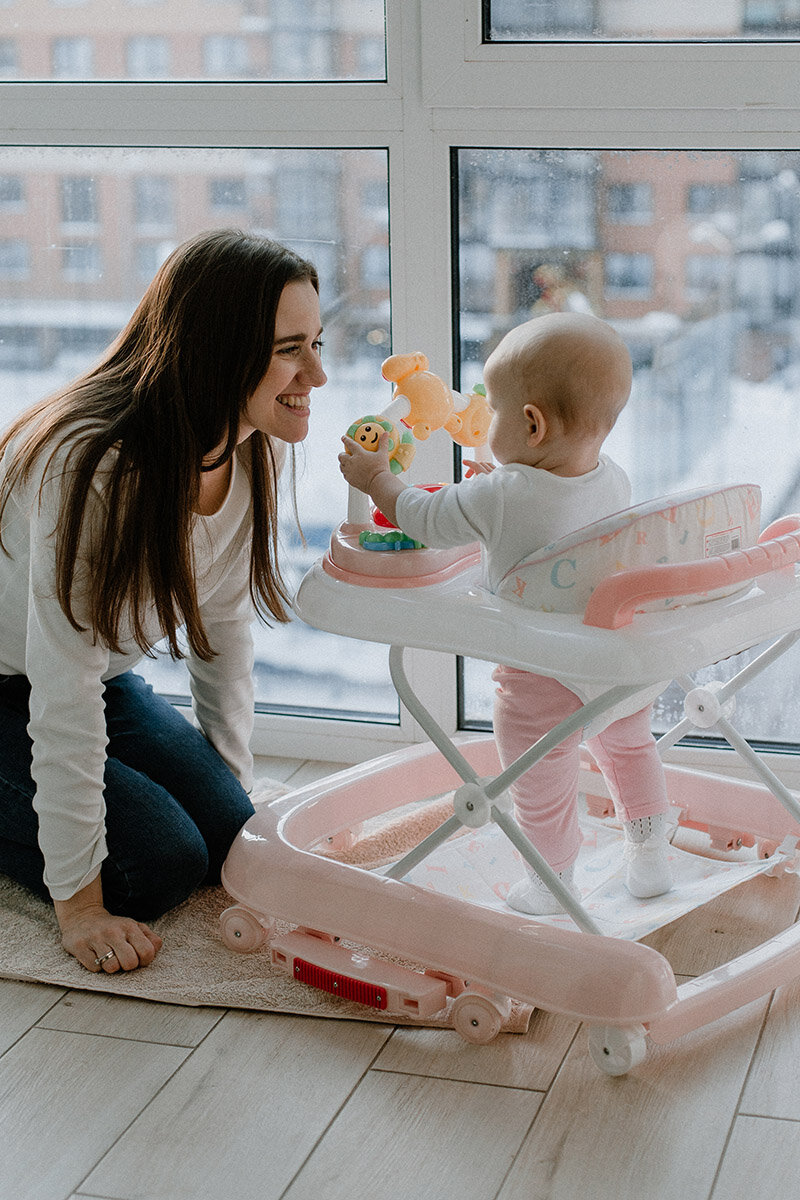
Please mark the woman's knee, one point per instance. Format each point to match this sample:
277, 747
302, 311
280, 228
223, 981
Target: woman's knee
157, 856
148, 884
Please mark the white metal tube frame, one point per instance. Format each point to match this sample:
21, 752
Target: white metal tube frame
724, 694
480, 800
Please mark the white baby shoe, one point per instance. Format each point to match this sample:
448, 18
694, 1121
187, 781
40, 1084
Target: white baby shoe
647, 857
530, 895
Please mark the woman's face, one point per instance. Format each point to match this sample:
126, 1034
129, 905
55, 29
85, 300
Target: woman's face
280, 404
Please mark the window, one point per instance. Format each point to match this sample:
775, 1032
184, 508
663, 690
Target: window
227, 194
147, 56
630, 203
778, 16
707, 277
12, 193
153, 204
226, 56
629, 275
14, 258
374, 268
81, 261
490, 159
708, 312
534, 20
73, 58
305, 195
148, 257
527, 20
89, 286
198, 39
78, 201
8, 58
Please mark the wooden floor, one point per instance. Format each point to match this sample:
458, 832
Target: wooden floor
116, 1098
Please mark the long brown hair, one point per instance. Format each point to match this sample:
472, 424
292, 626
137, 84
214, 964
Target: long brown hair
168, 392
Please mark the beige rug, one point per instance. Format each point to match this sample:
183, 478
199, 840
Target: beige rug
194, 966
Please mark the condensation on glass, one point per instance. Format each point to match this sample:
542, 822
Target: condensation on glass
695, 258
81, 234
640, 20
183, 40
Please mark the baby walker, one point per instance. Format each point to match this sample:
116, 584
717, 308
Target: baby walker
630, 624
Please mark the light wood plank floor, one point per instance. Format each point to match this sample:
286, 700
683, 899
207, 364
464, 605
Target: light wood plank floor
117, 1099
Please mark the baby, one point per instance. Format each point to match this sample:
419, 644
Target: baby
555, 386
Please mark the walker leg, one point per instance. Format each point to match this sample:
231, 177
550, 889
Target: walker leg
421, 715
759, 664
492, 789
731, 735
768, 777
543, 869
425, 847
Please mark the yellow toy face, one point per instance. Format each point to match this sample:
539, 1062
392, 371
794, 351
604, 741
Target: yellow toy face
369, 434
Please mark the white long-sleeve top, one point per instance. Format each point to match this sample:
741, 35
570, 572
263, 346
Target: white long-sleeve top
512, 511
67, 668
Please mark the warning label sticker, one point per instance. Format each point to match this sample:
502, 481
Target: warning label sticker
723, 541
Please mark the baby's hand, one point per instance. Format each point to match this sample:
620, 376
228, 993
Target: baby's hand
361, 467
476, 468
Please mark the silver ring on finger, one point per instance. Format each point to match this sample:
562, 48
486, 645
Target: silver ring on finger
98, 962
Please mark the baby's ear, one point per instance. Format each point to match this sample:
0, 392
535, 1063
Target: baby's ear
537, 425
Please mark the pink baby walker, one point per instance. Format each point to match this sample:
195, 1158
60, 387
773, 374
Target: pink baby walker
617, 611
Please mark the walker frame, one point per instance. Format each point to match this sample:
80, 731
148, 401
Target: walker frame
473, 959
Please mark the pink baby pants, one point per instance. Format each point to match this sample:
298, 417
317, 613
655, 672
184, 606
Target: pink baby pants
526, 707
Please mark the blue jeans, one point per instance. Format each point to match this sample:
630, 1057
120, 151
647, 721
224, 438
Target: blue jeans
173, 807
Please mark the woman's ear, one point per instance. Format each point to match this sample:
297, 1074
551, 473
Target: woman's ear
537, 425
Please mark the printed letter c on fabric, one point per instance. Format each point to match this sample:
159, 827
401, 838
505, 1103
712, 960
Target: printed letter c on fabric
560, 573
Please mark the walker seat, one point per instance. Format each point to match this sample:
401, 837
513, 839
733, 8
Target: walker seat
614, 623
691, 525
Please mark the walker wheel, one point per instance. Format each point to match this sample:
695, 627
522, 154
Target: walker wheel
478, 1017
242, 930
616, 1049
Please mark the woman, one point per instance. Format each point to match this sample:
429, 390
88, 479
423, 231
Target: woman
139, 500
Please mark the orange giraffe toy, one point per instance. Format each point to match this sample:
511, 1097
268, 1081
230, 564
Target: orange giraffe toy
421, 400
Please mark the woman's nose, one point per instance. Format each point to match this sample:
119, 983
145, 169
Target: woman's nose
313, 370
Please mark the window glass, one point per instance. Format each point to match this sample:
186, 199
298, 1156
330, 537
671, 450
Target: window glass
11, 193
78, 200
153, 202
702, 280
83, 233
9, 64
646, 20
247, 40
14, 258
147, 56
72, 58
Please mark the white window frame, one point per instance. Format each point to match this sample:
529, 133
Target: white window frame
444, 89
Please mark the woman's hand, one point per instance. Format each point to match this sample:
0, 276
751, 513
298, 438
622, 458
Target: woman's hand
89, 932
